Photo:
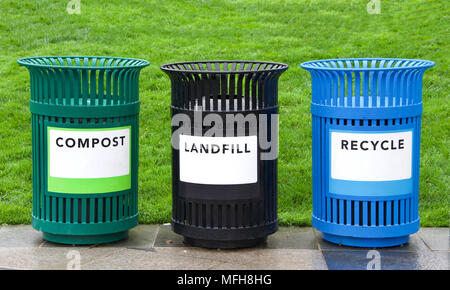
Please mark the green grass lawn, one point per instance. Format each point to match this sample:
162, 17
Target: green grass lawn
288, 31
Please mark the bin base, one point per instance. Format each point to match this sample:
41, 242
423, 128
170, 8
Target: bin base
85, 240
224, 238
366, 242
215, 244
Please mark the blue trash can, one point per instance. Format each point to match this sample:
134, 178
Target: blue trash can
366, 120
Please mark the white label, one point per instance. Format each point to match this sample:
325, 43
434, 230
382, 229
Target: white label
218, 160
89, 153
370, 156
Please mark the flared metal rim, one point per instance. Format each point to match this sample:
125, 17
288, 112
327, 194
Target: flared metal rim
412, 64
31, 62
280, 67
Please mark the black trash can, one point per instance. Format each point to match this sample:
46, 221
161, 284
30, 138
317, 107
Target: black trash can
224, 151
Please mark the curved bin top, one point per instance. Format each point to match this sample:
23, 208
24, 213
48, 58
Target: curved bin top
84, 86
367, 88
224, 85
82, 62
366, 64
224, 67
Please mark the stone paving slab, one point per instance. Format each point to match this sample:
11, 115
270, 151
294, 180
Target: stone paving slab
40, 258
19, 236
169, 258
437, 239
157, 247
284, 238
167, 238
292, 238
388, 260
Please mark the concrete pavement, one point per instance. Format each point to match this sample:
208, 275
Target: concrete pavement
157, 247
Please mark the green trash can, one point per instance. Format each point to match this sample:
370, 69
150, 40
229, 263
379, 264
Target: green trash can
85, 129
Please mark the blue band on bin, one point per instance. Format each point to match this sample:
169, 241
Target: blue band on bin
370, 188
366, 113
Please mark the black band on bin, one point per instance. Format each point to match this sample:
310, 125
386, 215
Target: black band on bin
268, 110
